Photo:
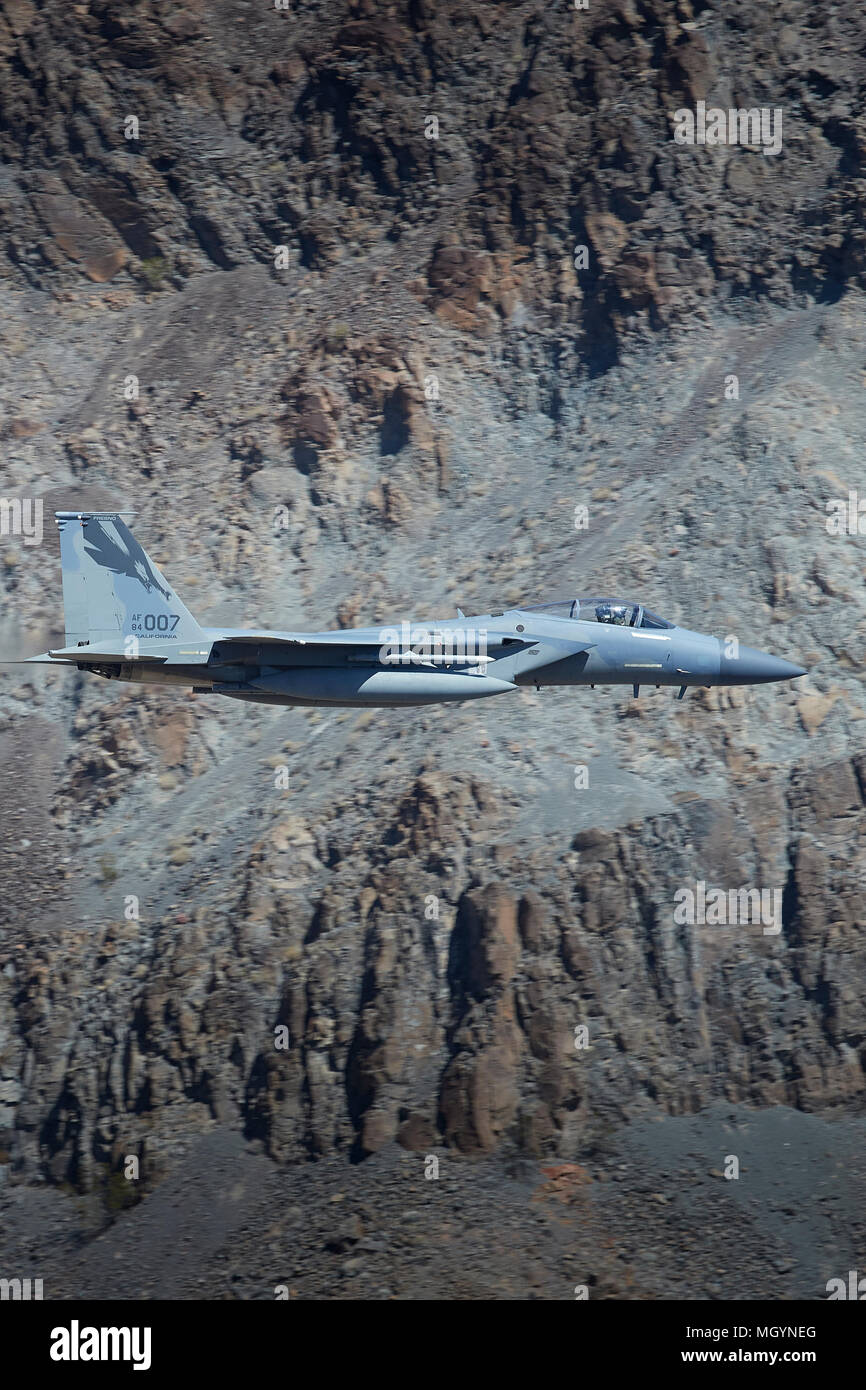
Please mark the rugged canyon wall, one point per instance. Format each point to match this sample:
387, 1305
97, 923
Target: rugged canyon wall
402, 418
421, 978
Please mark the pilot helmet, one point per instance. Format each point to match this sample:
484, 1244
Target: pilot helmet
612, 613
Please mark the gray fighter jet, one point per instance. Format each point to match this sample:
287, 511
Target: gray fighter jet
125, 622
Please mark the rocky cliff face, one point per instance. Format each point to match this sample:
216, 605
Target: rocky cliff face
424, 984
469, 151
331, 932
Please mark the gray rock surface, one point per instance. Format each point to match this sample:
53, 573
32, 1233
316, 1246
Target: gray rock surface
404, 420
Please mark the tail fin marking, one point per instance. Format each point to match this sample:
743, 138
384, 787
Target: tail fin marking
112, 589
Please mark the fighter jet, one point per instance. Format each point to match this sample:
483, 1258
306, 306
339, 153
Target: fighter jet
125, 622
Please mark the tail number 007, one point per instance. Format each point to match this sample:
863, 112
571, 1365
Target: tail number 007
155, 622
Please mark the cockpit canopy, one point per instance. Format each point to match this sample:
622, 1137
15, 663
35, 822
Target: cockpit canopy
621, 611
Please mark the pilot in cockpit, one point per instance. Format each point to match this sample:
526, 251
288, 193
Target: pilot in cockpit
620, 613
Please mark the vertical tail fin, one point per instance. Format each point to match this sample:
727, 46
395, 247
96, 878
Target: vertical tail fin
111, 588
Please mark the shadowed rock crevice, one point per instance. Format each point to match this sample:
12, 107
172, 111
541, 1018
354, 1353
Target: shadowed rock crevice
461, 1025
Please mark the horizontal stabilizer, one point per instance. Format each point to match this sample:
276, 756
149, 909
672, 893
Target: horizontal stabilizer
44, 659
91, 656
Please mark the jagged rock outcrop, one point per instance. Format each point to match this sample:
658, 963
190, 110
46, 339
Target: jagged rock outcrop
483, 150
318, 1014
504, 293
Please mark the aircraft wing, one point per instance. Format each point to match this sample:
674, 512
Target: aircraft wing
361, 637
504, 652
300, 639
366, 642
535, 651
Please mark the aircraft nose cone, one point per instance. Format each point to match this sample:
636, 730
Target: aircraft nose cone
751, 667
